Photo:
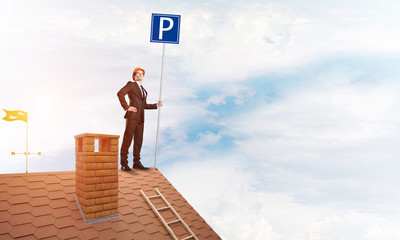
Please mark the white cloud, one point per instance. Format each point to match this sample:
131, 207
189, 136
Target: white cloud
239, 92
223, 193
251, 39
321, 117
353, 225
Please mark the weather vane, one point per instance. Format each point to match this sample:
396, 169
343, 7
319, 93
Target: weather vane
23, 116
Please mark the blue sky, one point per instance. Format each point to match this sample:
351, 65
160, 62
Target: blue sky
279, 117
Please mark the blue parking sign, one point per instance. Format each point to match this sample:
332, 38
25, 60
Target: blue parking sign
165, 28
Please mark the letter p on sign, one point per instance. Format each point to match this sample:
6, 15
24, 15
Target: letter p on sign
165, 28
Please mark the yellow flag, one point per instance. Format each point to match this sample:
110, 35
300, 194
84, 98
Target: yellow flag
16, 115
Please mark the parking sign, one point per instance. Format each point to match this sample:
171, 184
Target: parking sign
165, 28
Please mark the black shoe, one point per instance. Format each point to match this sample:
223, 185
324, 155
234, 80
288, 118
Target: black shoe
138, 165
125, 168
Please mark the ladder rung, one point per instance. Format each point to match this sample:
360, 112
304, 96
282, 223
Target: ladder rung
163, 208
155, 196
175, 221
189, 237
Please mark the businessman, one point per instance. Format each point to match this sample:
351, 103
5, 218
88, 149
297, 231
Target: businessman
134, 118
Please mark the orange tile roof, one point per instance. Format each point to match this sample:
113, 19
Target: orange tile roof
42, 205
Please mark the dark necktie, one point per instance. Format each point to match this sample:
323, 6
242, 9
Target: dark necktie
142, 90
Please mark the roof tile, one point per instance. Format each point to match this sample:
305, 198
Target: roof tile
22, 230
106, 234
4, 206
54, 187
21, 219
5, 216
123, 202
76, 214
147, 219
57, 195
41, 210
184, 210
18, 190
20, 208
63, 222
16, 199
44, 220
139, 212
124, 190
58, 203
36, 185
204, 233
27, 237
80, 225
125, 210
6, 236
197, 224
46, 231
68, 232
159, 235
5, 227
136, 227
38, 192
88, 233
179, 229
151, 228
101, 226
3, 196
68, 182
5, 179
180, 203
4, 187
72, 206
70, 198
69, 189
35, 178
140, 235
126, 234
173, 198
66, 176
168, 215
61, 212
17, 182
130, 196
51, 238
51, 179
119, 226
39, 201
158, 202
129, 218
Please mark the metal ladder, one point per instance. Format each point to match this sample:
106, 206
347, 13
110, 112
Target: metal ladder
166, 225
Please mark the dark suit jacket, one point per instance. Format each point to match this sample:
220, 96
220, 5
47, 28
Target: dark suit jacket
135, 100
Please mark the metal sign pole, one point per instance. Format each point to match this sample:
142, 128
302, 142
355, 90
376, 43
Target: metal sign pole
159, 109
164, 29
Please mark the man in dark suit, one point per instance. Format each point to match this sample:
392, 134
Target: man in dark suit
134, 118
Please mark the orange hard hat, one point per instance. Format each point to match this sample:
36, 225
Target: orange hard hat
137, 69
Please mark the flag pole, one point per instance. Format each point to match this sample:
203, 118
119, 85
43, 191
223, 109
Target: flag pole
26, 153
159, 109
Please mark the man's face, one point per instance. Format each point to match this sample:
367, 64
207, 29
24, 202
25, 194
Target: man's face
139, 75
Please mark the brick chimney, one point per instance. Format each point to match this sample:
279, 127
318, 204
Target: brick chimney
96, 176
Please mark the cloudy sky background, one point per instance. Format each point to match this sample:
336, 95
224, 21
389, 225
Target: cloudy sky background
280, 118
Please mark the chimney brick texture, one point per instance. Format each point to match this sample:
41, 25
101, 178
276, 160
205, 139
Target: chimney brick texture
96, 175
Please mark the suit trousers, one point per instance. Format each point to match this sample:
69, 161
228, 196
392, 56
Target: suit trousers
133, 129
